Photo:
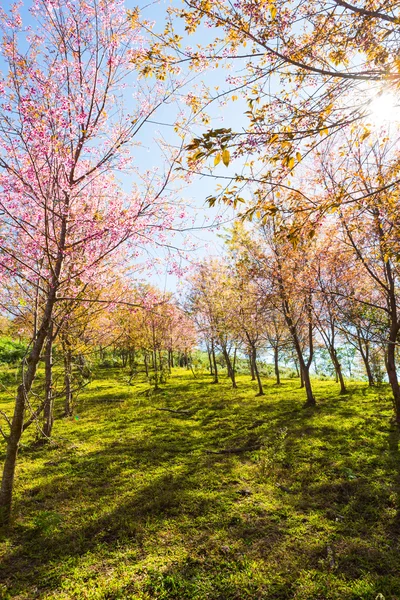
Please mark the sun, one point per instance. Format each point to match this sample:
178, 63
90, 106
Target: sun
384, 109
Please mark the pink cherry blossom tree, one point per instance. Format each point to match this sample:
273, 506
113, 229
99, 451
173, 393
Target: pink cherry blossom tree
63, 135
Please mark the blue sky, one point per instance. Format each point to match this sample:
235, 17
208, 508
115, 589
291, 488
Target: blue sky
148, 156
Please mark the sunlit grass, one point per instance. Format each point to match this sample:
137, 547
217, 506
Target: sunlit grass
242, 497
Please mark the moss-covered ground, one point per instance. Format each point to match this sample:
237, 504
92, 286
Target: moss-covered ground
241, 497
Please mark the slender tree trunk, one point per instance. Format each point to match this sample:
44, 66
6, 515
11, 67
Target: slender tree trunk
297, 367
308, 386
365, 358
253, 374
156, 387
214, 362
68, 382
48, 411
231, 370
260, 387
161, 369
276, 362
304, 367
338, 369
392, 371
146, 365
315, 365
24, 388
210, 362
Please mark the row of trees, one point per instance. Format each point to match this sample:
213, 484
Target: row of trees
272, 294
314, 137
147, 327
316, 149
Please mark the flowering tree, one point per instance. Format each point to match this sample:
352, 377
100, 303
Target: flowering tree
370, 233
305, 71
62, 134
213, 302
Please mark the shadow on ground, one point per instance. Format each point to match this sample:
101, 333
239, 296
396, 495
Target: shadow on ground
244, 498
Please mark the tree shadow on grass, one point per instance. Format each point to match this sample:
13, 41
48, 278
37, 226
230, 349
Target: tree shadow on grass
106, 511
189, 518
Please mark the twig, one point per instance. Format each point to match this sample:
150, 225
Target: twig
3, 414
284, 489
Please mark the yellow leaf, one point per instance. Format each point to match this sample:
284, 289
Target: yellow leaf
217, 159
234, 98
197, 155
291, 162
365, 135
226, 157
298, 156
324, 131
273, 12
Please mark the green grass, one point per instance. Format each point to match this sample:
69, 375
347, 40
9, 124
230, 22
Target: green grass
11, 351
135, 503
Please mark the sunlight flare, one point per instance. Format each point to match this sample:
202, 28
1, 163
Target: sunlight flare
385, 109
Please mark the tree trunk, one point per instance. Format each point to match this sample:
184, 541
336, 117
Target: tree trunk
338, 370
24, 388
156, 387
276, 362
304, 367
308, 386
392, 372
296, 367
48, 412
301, 379
253, 374
146, 366
68, 382
210, 362
11, 456
231, 370
214, 363
254, 360
365, 357
161, 368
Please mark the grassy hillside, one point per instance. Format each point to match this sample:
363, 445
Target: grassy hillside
237, 498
